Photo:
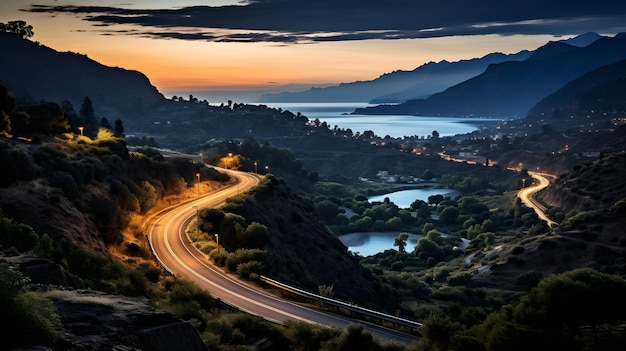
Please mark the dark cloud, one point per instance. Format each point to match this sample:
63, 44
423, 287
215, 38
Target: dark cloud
297, 21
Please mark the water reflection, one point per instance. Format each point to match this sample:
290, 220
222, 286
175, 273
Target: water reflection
371, 243
404, 198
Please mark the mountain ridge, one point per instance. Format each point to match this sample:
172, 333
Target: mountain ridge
36, 72
400, 85
510, 89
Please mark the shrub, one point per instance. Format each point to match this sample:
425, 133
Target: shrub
247, 269
459, 279
528, 280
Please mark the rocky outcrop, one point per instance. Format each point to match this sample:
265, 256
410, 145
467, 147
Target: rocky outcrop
93, 320
97, 321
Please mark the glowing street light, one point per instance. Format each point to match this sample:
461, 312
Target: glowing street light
198, 175
81, 130
229, 162
255, 169
217, 239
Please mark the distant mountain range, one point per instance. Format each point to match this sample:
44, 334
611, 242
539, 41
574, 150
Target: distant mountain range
399, 86
510, 89
35, 72
420, 83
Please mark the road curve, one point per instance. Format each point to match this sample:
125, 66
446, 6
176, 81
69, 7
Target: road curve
526, 195
170, 245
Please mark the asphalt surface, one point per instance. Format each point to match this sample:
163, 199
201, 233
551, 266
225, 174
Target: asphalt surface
170, 245
526, 195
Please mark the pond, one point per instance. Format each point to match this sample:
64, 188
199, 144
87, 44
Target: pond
404, 198
371, 243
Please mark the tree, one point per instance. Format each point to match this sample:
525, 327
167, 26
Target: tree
119, 128
435, 134
578, 310
104, 123
71, 115
449, 215
427, 248
7, 105
400, 241
89, 117
18, 28
428, 175
47, 118
435, 199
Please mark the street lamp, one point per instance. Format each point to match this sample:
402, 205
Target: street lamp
268, 169
217, 239
81, 130
255, 169
198, 175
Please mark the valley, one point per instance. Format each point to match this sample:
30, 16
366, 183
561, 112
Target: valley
87, 198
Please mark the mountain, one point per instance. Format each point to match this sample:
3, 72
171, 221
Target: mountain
35, 72
511, 89
583, 39
399, 86
602, 87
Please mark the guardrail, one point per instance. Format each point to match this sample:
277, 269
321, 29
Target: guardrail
348, 306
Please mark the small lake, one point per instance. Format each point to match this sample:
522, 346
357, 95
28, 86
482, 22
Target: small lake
371, 243
404, 198
395, 126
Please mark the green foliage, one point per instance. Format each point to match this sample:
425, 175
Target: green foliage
229, 331
250, 270
327, 290
567, 309
327, 210
255, 235
449, 215
400, 241
426, 248
244, 255
309, 337
437, 332
33, 318
17, 235
528, 280
183, 291
353, 337
16, 164
459, 279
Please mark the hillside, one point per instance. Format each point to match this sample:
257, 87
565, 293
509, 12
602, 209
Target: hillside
511, 89
35, 72
591, 235
600, 89
301, 250
399, 85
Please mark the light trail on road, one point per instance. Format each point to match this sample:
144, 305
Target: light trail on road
526, 195
174, 251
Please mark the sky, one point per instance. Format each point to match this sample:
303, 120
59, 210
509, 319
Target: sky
220, 48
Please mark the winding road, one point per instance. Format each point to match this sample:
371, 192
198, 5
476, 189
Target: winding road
526, 195
170, 245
